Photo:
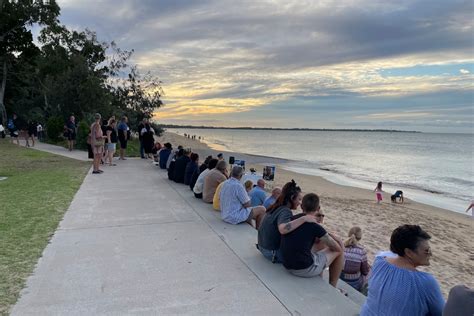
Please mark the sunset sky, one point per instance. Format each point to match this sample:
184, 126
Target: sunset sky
319, 64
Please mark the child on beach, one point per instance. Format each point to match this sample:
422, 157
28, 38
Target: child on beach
378, 192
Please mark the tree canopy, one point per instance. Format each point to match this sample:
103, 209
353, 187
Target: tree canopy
69, 72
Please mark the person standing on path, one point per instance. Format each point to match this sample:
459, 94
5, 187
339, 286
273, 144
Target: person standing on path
141, 126
12, 126
39, 131
71, 131
123, 136
111, 142
97, 143
148, 140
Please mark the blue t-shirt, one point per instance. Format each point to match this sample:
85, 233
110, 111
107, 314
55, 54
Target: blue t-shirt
269, 201
164, 155
397, 291
257, 196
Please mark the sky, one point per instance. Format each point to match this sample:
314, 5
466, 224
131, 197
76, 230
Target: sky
365, 64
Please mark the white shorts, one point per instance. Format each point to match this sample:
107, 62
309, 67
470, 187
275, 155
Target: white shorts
319, 263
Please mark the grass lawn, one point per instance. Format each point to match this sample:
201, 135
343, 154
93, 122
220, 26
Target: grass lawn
133, 147
39, 188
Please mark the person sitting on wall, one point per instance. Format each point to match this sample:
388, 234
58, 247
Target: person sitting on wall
235, 202
298, 247
212, 181
257, 194
272, 198
199, 186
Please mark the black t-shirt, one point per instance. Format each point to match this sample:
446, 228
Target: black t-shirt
113, 135
268, 234
296, 246
180, 168
140, 127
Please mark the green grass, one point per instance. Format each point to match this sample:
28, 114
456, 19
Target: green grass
39, 189
133, 147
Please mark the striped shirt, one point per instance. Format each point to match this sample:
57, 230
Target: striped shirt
355, 263
232, 197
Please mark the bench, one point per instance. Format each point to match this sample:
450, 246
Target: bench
300, 296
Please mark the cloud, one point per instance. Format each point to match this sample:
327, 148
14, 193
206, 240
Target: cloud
395, 115
223, 57
464, 71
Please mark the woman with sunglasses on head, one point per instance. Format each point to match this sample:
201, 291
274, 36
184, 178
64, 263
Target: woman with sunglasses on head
396, 287
356, 267
277, 221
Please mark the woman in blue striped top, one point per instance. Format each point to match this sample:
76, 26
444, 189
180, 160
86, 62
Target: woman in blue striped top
396, 287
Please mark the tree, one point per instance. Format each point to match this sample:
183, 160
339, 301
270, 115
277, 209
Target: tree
15, 37
138, 96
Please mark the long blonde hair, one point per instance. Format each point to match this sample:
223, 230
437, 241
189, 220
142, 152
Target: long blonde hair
353, 233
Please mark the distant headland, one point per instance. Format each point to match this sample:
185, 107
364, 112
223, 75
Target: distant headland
287, 129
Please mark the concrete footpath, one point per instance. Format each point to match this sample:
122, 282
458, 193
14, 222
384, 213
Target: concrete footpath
130, 244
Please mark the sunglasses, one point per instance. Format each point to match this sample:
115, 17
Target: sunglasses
320, 215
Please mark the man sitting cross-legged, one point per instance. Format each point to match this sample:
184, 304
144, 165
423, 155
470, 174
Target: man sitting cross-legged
235, 202
298, 247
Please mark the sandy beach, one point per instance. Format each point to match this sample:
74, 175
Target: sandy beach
452, 245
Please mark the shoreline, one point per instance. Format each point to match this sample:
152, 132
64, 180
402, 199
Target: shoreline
431, 198
346, 206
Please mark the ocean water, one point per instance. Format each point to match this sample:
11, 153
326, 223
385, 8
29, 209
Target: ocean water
435, 169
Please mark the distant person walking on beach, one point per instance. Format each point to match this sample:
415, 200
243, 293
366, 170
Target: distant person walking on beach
277, 222
235, 202
97, 143
471, 207
396, 287
399, 195
378, 192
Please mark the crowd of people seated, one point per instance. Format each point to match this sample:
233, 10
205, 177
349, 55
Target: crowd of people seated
305, 246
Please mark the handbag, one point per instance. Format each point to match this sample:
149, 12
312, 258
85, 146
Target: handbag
99, 142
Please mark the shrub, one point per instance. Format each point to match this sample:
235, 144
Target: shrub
83, 130
158, 129
55, 128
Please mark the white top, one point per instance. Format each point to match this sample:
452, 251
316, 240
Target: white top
199, 185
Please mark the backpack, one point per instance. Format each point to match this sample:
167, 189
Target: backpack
10, 124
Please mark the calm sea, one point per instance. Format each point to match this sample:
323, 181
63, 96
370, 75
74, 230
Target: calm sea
435, 169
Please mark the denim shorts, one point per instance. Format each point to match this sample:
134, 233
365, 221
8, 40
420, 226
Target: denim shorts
111, 146
272, 255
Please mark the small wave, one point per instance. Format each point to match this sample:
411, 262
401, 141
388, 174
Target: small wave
459, 181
